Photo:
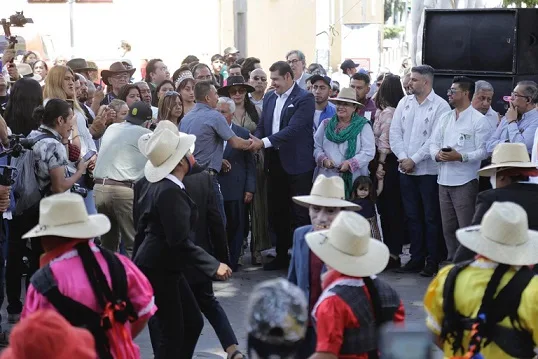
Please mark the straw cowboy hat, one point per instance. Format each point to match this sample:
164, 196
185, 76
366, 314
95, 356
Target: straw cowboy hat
327, 192
25, 71
347, 95
506, 155
348, 247
164, 149
116, 68
80, 65
234, 81
503, 236
65, 215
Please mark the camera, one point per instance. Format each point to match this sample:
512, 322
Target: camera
16, 20
79, 190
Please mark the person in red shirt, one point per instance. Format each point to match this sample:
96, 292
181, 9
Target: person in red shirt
324, 203
354, 302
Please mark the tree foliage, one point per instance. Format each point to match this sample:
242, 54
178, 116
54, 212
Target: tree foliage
520, 3
394, 5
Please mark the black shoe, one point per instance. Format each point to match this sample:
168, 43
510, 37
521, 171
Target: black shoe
429, 270
410, 267
276, 264
394, 263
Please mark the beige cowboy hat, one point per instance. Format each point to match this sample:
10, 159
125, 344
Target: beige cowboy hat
65, 215
25, 71
506, 155
348, 95
347, 246
503, 236
116, 68
327, 192
164, 149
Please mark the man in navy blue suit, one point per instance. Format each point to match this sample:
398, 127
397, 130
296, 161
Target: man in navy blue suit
285, 129
237, 180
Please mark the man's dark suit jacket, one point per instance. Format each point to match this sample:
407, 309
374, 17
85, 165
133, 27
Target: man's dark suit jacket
295, 140
524, 194
164, 216
242, 177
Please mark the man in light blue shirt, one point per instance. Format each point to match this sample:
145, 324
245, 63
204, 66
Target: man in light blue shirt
521, 120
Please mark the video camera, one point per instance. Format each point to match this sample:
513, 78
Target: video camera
16, 20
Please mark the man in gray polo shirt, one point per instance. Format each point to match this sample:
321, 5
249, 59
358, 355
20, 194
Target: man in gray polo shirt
211, 130
119, 165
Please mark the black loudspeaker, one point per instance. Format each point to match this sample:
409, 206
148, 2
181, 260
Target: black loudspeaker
486, 40
502, 84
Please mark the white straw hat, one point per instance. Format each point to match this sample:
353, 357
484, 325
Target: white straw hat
65, 215
25, 71
506, 155
327, 192
503, 236
348, 95
164, 149
348, 248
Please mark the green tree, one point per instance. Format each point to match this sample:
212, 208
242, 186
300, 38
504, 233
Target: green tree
520, 3
394, 6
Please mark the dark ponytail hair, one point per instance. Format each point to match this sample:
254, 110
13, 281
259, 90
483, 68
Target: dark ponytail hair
47, 115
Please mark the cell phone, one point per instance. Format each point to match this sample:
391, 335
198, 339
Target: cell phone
411, 342
88, 155
446, 149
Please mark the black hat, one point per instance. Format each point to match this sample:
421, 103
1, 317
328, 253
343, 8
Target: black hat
234, 81
139, 112
348, 64
325, 79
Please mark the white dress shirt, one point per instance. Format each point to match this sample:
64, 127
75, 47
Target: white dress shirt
534, 156
467, 135
493, 119
280, 101
176, 180
411, 129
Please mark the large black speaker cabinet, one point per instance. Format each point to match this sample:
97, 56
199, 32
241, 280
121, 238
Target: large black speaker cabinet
485, 40
503, 86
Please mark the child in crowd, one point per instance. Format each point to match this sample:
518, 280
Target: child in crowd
365, 195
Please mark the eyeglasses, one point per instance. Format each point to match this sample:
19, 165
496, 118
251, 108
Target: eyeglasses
293, 62
345, 104
204, 78
240, 91
452, 91
121, 76
259, 78
170, 93
513, 95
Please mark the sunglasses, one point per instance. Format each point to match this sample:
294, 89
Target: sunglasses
170, 93
240, 91
259, 78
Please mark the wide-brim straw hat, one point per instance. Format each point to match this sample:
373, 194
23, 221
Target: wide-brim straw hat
507, 155
234, 81
503, 236
327, 192
65, 215
79, 65
348, 247
347, 95
164, 149
25, 71
116, 68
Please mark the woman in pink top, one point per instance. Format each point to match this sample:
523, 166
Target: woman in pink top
389, 202
88, 285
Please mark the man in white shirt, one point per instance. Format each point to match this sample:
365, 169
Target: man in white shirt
482, 98
459, 145
411, 129
297, 62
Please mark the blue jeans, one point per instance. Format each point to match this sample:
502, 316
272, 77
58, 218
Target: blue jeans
220, 198
420, 197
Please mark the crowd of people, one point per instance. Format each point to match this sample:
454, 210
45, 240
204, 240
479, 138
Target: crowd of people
181, 172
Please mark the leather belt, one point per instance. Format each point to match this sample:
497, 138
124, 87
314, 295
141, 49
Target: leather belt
212, 172
111, 182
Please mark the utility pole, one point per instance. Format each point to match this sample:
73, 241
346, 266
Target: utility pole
71, 27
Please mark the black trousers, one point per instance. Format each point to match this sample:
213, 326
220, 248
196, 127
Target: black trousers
235, 229
389, 204
17, 249
212, 310
179, 322
286, 216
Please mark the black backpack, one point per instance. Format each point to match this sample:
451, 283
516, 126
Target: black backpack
115, 300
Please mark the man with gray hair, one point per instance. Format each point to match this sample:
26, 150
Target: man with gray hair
413, 123
521, 120
237, 183
297, 62
482, 102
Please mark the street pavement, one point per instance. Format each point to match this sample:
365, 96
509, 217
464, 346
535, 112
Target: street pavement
233, 296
